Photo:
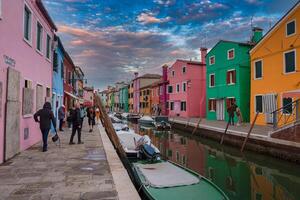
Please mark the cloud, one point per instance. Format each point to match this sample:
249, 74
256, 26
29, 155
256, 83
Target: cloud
149, 18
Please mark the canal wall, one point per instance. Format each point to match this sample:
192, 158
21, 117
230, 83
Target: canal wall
277, 148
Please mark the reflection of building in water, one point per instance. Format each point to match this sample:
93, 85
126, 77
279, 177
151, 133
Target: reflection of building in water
196, 156
268, 184
230, 174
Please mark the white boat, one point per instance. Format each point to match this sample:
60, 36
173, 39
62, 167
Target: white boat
146, 120
120, 126
125, 115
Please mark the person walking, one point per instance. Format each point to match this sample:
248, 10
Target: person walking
61, 117
97, 113
91, 118
82, 113
44, 116
69, 118
76, 124
231, 109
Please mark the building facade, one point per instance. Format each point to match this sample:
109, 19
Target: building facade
275, 70
130, 97
163, 91
187, 91
88, 96
27, 34
145, 100
228, 79
69, 67
79, 83
124, 96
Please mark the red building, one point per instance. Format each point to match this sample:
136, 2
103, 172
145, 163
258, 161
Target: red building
69, 68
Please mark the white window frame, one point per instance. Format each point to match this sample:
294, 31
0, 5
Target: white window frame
29, 42
49, 59
213, 74
262, 69
168, 89
185, 86
286, 34
177, 86
228, 54
208, 104
209, 60
284, 63
230, 70
262, 106
41, 42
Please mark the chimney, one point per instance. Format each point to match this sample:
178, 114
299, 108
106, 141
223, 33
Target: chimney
257, 34
136, 74
203, 51
165, 72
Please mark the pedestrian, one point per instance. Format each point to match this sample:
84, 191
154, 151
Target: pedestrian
44, 116
97, 113
61, 117
69, 118
76, 124
231, 109
239, 116
91, 118
82, 113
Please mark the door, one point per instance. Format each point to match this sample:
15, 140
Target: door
269, 105
12, 114
220, 110
177, 108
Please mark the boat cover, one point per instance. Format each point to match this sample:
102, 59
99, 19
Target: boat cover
127, 140
146, 118
166, 174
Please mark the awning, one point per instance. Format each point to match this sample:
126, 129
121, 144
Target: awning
71, 95
292, 94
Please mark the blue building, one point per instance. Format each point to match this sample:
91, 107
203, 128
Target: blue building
57, 77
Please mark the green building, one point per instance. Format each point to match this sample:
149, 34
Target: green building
228, 79
123, 99
112, 101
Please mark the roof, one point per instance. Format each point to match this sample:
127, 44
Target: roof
77, 68
149, 76
193, 62
276, 25
229, 41
67, 56
46, 14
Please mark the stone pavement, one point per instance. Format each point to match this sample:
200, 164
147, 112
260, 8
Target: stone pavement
67, 173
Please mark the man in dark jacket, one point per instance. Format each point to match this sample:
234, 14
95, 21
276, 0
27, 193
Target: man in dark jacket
76, 121
61, 117
44, 117
231, 111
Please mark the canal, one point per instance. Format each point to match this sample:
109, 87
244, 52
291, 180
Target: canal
247, 176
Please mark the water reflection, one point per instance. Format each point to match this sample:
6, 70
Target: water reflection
246, 176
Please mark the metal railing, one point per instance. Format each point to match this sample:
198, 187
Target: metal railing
286, 115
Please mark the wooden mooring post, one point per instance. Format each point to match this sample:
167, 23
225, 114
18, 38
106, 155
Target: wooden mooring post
222, 139
197, 126
187, 123
250, 130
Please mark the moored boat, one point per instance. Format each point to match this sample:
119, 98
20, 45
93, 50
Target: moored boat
133, 117
146, 120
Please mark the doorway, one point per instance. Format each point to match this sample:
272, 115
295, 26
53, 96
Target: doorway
220, 110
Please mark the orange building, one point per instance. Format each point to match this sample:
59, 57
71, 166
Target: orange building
275, 71
130, 97
145, 100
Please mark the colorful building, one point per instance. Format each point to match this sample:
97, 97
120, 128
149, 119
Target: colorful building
187, 81
154, 98
57, 77
27, 34
69, 67
124, 96
145, 100
88, 96
163, 91
140, 82
228, 78
275, 70
130, 97
79, 83
103, 96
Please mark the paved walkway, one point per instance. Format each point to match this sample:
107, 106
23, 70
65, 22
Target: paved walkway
66, 173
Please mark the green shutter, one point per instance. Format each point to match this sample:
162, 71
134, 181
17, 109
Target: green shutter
289, 61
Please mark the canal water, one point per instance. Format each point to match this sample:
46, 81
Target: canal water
247, 176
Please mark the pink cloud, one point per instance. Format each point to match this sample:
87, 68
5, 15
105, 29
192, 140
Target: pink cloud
149, 18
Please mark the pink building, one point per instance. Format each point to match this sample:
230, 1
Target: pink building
88, 96
163, 94
26, 48
187, 83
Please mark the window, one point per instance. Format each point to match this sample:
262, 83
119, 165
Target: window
177, 156
184, 87
48, 46
258, 104
183, 160
28, 84
212, 105
171, 105
183, 106
169, 152
39, 36
230, 54
173, 73
212, 60
258, 69
183, 69
62, 69
287, 105
167, 105
55, 62
170, 89
289, 61
212, 80
177, 87
70, 77
291, 28
27, 24
148, 92
231, 77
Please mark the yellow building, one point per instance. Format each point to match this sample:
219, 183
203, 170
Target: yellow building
145, 100
275, 71
130, 97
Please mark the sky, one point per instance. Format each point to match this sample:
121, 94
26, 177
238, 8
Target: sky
112, 39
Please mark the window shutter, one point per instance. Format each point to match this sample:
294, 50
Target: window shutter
234, 76
227, 77
213, 80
